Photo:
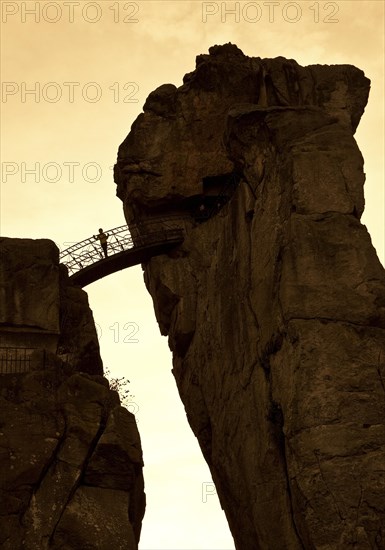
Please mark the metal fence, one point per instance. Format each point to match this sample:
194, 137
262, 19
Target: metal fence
121, 239
19, 360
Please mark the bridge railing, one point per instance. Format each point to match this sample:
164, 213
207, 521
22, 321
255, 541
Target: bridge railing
121, 239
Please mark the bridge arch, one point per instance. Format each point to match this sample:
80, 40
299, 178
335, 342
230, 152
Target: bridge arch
126, 246
131, 245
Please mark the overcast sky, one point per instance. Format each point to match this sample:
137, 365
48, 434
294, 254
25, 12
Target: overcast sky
75, 76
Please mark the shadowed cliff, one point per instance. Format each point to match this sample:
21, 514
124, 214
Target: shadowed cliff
70, 455
274, 305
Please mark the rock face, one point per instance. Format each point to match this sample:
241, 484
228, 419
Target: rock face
40, 309
70, 455
275, 303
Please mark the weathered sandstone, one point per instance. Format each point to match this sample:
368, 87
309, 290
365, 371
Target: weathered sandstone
70, 455
275, 303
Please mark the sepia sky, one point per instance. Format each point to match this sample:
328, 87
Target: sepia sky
75, 75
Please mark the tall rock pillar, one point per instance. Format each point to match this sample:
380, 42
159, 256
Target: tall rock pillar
275, 303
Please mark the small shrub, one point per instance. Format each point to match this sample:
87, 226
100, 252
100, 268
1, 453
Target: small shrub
119, 385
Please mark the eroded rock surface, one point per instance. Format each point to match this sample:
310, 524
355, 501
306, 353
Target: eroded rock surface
275, 303
70, 455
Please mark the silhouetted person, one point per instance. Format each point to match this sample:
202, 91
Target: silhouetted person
103, 240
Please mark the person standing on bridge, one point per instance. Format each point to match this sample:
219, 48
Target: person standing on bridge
103, 240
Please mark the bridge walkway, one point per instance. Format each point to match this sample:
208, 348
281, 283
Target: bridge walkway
126, 247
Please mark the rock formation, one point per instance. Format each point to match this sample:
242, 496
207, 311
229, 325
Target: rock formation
70, 455
274, 305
